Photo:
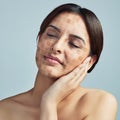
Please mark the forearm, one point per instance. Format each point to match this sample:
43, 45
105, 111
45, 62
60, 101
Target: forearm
48, 111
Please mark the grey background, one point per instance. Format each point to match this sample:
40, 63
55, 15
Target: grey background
19, 25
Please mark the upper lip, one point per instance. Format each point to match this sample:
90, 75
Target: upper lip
54, 58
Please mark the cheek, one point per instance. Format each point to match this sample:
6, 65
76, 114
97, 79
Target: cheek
43, 48
44, 45
78, 55
75, 56
48, 43
74, 59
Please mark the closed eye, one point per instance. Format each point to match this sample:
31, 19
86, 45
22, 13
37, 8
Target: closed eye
52, 35
73, 45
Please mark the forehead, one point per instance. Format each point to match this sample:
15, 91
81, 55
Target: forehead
71, 23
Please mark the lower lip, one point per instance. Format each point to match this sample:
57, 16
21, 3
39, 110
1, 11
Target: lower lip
51, 61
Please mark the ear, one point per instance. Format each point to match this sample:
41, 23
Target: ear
92, 61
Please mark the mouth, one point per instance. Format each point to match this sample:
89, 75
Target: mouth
53, 60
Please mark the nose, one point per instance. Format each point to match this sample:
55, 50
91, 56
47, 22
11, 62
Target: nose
59, 46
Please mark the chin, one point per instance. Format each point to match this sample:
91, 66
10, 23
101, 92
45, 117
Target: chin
51, 72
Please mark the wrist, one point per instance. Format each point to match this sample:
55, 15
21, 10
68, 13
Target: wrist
48, 110
46, 102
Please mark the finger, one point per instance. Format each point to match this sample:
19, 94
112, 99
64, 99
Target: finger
79, 78
84, 66
78, 71
82, 72
87, 60
76, 80
73, 73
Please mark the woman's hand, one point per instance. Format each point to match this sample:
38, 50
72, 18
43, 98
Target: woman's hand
63, 87
66, 84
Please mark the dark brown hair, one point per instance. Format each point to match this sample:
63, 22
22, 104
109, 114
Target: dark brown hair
92, 23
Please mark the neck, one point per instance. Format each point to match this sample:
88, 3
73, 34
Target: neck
42, 83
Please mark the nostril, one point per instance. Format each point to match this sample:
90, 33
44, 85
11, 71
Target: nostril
55, 50
58, 51
58, 46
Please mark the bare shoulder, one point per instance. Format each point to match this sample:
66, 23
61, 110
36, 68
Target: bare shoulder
100, 96
5, 103
100, 104
8, 106
103, 98
5, 108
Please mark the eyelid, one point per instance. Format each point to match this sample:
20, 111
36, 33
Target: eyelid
76, 46
50, 34
77, 38
76, 42
50, 29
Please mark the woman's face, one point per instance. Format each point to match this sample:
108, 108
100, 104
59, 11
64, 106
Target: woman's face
63, 46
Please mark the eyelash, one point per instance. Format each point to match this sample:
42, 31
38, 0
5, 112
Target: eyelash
51, 35
73, 45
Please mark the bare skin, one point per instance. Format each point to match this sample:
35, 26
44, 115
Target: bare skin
57, 94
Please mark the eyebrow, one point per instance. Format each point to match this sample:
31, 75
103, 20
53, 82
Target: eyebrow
75, 36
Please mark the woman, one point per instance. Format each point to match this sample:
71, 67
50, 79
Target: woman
70, 42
